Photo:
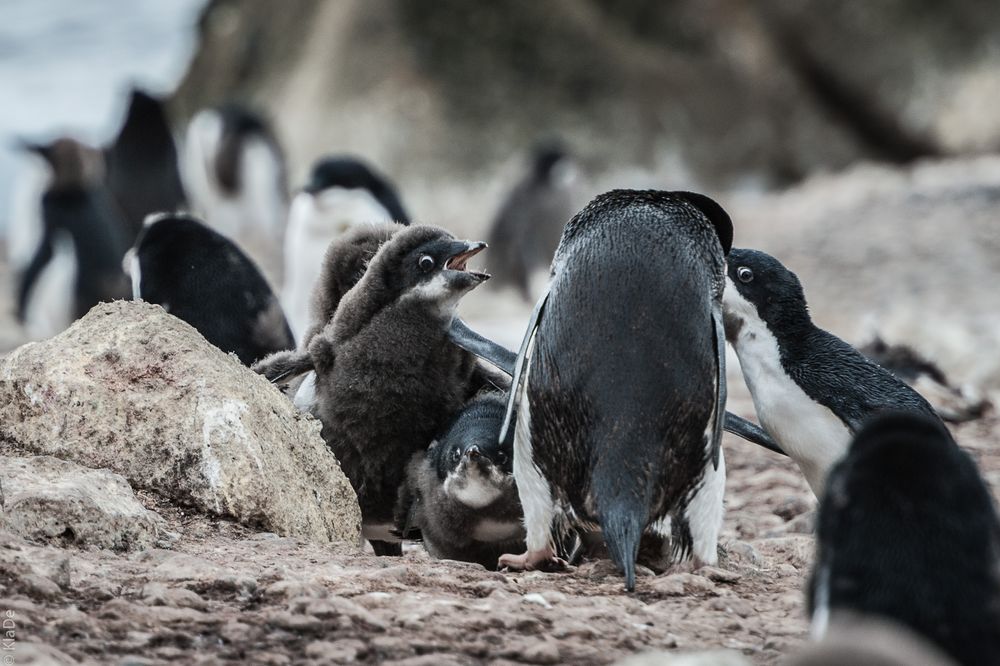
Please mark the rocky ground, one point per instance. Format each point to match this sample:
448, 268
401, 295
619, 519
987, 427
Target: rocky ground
210, 590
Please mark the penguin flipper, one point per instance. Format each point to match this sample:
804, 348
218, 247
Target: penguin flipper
30, 276
484, 348
284, 365
751, 432
520, 367
719, 413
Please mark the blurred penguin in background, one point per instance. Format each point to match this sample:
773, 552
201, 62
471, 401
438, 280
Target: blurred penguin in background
76, 261
343, 193
528, 226
142, 171
234, 172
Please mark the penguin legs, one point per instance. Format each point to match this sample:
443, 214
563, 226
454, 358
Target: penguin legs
536, 500
704, 513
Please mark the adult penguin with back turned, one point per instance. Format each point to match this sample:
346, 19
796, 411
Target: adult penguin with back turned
202, 277
619, 392
812, 391
908, 531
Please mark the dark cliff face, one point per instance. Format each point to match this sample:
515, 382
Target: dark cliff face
733, 90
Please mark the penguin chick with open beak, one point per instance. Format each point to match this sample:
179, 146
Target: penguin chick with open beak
460, 494
387, 377
812, 391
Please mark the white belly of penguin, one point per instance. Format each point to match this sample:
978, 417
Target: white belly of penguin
492, 531
807, 431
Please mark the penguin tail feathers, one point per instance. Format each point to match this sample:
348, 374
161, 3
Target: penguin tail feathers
622, 524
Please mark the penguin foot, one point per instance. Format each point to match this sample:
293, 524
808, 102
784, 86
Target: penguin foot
533, 560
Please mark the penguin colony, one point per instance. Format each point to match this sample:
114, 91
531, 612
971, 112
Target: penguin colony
604, 428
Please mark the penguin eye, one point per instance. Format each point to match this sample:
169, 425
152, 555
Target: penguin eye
744, 274
500, 457
456, 455
426, 263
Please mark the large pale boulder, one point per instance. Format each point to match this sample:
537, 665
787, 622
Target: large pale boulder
45, 499
138, 391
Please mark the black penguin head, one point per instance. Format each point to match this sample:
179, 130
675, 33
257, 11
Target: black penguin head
75, 165
912, 452
760, 291
426, 264
552, 163
475, 468
350, 173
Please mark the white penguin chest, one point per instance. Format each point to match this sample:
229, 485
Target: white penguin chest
806, 430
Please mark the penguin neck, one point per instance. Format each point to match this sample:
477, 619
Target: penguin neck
773, 368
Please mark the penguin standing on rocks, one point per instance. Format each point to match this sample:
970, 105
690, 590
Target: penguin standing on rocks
77, 261
619, 392
528, 226
460, 493
811, 390
387, 378
343, 193
142, 170
202, 277
908, 531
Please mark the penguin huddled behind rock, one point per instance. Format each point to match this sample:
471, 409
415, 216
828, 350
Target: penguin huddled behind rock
811, 390
387, 378
202, 277
460, 495
909, 532
619, 398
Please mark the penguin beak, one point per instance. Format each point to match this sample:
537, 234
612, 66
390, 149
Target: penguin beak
462, 251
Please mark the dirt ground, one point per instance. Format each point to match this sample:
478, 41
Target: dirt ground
222, 593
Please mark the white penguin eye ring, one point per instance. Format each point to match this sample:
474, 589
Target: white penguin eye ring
426, 263
744, 274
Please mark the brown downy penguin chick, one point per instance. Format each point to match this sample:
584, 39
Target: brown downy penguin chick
388, 379
460, 494
343, 265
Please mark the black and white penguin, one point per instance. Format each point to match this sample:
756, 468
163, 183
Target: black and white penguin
235, 175
527, 228
142, 169
619, 392
460, 494
342, 193
908, 531
387, 378
202, 277
76, 263
811, 390
955, 404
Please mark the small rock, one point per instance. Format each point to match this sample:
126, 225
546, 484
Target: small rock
541, 652
348, 649
719, 575
535, 598
39, 587
52, 501
682, 584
